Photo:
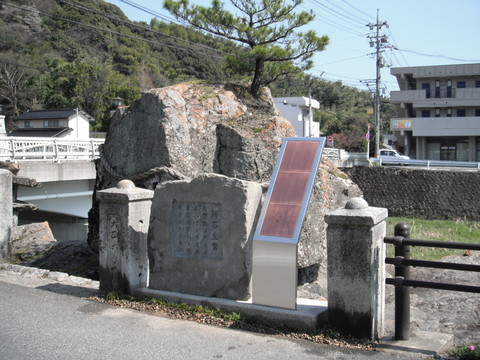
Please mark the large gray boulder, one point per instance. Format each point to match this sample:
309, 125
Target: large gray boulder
196, 129
183, 131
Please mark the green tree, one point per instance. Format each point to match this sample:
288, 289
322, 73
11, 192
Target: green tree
87, 84
266, 28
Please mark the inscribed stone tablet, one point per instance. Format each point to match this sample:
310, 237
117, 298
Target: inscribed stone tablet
199, 238
195, 230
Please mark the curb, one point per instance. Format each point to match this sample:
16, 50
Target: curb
56, 276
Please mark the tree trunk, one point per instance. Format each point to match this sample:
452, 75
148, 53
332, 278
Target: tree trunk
257, 77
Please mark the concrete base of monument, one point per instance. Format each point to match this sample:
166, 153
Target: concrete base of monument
420, 342
309, 315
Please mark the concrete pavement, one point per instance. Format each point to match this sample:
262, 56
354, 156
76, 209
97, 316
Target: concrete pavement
40, 323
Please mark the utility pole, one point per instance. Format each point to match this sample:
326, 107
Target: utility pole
379, 42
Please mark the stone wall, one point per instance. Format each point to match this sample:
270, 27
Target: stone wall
420, 193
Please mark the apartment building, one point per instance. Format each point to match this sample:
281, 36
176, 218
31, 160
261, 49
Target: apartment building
439, 112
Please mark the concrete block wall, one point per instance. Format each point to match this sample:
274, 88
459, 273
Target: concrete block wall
424, 194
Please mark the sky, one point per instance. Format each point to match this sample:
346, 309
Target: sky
425, 32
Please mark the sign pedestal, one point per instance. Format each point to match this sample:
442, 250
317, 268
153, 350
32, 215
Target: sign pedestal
275, 242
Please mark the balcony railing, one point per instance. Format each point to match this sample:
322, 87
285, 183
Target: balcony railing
17, 149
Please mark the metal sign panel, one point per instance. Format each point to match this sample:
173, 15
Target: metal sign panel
274, 280
290, 189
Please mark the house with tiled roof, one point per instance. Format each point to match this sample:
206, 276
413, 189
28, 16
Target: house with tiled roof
53, 123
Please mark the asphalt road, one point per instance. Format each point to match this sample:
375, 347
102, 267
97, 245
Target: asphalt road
40, 323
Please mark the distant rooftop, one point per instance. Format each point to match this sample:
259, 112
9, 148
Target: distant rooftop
40, 132
50, 114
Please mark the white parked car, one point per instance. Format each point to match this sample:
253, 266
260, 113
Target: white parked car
390, 156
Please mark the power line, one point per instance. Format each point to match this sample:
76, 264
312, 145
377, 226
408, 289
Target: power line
360, 11
142, 27
395, 44
343, 60
24, 66
348, 12
337, 14
106, 30
432, 55
148, 11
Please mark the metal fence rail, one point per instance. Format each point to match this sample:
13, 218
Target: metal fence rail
18, 149
427, 163
402, 281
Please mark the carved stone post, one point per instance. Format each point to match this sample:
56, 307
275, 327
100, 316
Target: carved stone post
124, 221
356, 269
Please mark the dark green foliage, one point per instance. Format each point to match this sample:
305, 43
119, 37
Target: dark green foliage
61, 56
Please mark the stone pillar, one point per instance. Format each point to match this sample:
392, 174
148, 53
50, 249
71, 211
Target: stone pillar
6, 214
356, 269
124, 221
472, 149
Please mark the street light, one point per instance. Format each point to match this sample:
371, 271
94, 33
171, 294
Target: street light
117, 101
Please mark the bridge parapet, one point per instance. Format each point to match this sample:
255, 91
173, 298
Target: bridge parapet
20, 149
49, 171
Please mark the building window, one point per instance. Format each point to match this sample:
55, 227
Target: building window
425, 113
461, 113
449, 149
437, 89
50, 123
449, 88
478, 149
305, 115
437, 112
27, 124
477, 83
449, 112
477, 112
461, 84
426, 87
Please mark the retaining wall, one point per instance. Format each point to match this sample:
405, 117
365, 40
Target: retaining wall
424, 194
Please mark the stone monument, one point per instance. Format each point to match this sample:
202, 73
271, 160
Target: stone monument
182, 131
200, 236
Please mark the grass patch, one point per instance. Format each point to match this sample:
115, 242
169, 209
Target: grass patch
442, 230
465, 352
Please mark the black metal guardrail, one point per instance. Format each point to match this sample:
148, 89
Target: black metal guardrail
402, 281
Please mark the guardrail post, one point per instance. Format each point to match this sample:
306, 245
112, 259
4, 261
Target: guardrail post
356, 269
402, 293
55, 152
92, 144
12, 147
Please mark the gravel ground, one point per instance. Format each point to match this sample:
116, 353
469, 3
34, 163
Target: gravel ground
443, 311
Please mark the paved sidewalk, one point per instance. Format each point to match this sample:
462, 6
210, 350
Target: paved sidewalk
44, 316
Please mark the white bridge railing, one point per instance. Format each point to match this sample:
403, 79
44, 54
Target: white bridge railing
19, 148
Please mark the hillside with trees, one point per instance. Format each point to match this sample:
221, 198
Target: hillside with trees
67, 53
